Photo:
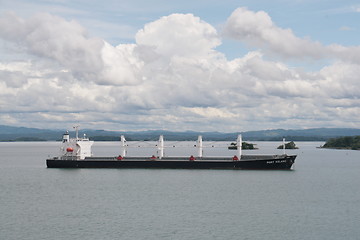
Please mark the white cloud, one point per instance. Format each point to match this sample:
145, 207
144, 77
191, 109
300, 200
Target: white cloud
179, 35
49, 36
172, 77
212, 112
345, 28
120, 66
68, 44
257, 29
355, 9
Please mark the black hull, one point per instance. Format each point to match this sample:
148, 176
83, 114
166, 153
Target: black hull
257, 163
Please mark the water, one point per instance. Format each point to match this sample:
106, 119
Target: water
319, 199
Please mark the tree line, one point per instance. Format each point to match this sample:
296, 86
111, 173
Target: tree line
344, 143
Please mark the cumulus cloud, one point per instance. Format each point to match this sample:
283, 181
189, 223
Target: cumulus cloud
258, 30
179, 35
172, 77
68, 44
50, 36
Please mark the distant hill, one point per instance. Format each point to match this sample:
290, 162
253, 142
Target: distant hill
10, 133
314, 134
344, 143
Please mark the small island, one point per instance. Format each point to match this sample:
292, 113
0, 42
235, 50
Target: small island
244, 145
290, 145
352, 143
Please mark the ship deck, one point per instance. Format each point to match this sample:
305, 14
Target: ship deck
182, 158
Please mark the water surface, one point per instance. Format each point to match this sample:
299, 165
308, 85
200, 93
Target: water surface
319, 199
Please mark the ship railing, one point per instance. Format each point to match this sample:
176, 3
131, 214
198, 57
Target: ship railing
70, 158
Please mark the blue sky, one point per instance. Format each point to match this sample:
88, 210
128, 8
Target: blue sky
180, 65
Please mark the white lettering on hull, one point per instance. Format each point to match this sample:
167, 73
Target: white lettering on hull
276, 161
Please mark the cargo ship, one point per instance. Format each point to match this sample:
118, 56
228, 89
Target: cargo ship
76, 153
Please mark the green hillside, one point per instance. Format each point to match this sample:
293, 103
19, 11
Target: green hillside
344, 143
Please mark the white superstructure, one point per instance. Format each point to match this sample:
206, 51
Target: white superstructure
75, 148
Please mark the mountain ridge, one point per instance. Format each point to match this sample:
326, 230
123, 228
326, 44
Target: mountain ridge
11, 133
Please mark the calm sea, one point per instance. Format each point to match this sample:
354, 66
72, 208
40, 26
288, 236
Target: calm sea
319, 199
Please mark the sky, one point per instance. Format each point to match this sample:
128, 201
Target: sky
227, 66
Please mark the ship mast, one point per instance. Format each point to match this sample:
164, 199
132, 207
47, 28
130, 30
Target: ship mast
239, 145
284, 145
200, 146
161, 146
123, 145
77, 131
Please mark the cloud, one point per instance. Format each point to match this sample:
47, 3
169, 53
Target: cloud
50, 36
179, 35
68, 44
172, 77
355, 9
120, 66
258, 30
345, 28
